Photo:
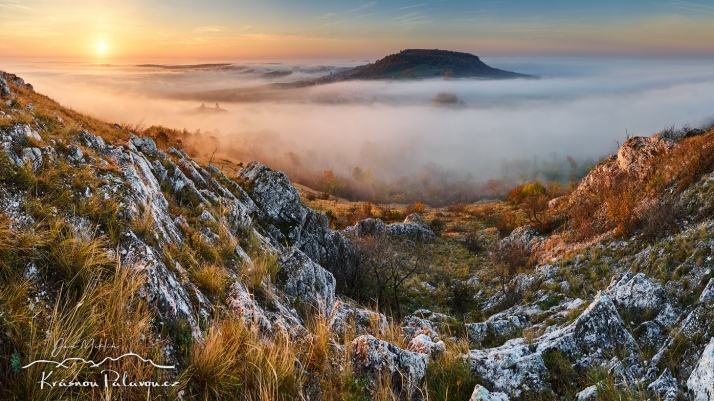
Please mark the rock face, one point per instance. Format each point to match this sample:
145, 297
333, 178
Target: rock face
665, 386
286, 219
701, 382
302, 279
380, 360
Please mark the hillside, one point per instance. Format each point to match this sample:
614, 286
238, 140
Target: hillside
420, 63
238, 285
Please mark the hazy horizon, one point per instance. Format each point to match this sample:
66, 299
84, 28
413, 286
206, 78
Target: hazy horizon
280, 29
579, 107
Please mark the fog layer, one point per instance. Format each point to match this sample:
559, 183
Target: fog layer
579, 107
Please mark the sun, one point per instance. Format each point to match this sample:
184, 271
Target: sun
101, 47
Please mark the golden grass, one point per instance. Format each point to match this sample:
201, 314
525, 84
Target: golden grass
211, 280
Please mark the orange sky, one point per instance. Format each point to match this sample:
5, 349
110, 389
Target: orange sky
104, 31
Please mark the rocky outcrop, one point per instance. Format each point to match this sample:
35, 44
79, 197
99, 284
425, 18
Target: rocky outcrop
4, 89
379, 360
707, 296
636, 154
148, 198
518, 367
701, 381
287, 220
161, 287
413, 228
344, 316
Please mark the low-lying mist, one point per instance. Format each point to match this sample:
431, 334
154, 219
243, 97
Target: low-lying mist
410, 132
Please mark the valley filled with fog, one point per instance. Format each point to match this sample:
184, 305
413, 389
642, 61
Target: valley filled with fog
578, 107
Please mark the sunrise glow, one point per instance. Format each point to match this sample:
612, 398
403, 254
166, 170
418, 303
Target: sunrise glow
312, 29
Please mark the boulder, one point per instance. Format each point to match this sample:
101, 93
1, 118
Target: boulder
413, 228
423, 344
636, 154
588, 394
286, 219
512, 368
145, 145
345, 315
379, 360
482, 394
93, 142
74, 153
367, 227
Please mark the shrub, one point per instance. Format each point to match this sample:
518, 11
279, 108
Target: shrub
456, 208
519, 193
416, 207
437, 225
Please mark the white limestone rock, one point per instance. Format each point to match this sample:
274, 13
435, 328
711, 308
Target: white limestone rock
480, 393
302, 279
74, 153
701, 381
345, 315
588, 394
373, 358
665, 387
33, 157
423, 344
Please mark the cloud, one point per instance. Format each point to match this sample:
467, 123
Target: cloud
210, 29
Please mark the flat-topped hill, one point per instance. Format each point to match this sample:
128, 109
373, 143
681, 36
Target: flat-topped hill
422, 63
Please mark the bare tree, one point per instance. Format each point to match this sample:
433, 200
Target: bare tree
390, 263
509, 258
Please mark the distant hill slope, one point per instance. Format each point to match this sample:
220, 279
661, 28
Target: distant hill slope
419, 63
